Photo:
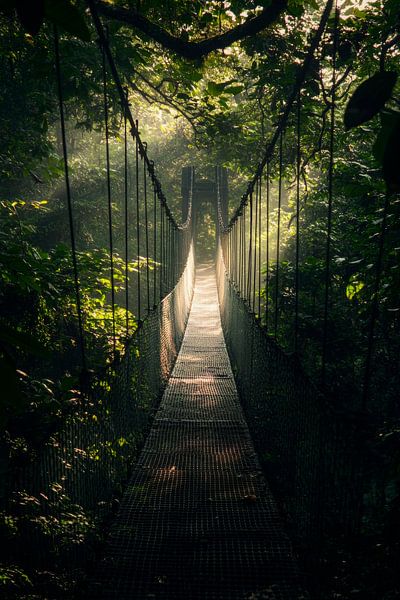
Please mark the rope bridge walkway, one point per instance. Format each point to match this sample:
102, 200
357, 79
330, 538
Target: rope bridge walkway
197, 519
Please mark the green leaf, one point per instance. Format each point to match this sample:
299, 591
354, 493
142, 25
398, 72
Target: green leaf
234, 89
353, 288
194, 76
67, 16
215, 89
369, 98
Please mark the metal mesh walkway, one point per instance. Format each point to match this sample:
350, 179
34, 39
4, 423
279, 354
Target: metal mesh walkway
197, 520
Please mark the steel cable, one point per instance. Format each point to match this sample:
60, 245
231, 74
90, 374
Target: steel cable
278, 236
330, 202
69, 202
109, 202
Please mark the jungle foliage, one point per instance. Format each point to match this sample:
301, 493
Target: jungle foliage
215, 106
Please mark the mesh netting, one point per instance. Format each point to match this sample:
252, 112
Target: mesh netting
197, 519
68, 487
312, 454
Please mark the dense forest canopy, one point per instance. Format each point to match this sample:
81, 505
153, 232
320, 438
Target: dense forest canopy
208, 81
234, 90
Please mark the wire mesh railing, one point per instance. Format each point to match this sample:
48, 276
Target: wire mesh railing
60, 492
311, 452
71, 484
312, 441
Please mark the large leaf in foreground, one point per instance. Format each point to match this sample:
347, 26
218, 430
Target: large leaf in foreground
369, 98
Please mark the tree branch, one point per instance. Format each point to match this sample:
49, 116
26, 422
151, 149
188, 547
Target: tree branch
187, 49
166, 100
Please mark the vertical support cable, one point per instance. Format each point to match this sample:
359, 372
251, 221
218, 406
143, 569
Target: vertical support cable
170, 250
230, 242
126, 232
236, 257
239, 224
259, 244
69, 201
173, 256
218, 210
155, 246
255, 245
162, 253
171, 261
250, 253
237, 229
239, 238
227, 251
167, 253
278, 236
231, 235
166, 256
244, 252
109, 203
169, 265
267, 207
330, 199
179, 263
146, 224
138, 225
297, 278
177, 258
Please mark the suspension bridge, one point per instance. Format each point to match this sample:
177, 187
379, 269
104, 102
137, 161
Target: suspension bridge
199, 517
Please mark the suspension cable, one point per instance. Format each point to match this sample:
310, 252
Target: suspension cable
255, 248
300, 77
249, 261
109, 203
169, 260
155, 248
298, 174
139, 298
133, 124
146, 224
278, 236
259, 246
267, 182
162, 254
244, 248
236, 265
69, 201
126, 231
330, 200
239, 227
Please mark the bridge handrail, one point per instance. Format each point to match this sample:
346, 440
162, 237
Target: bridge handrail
301, 74
133, 123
